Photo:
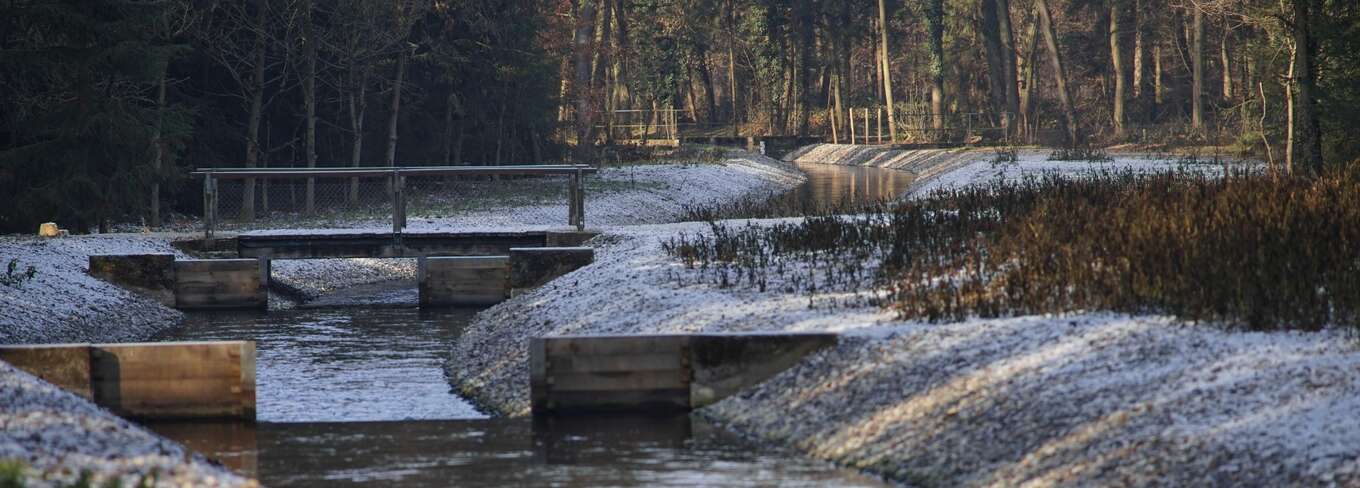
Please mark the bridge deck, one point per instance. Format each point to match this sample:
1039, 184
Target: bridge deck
405, 245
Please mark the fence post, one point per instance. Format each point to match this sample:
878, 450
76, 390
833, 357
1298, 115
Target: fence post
209, 207
575, 212
398, 202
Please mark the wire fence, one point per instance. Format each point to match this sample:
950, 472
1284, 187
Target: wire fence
258, 198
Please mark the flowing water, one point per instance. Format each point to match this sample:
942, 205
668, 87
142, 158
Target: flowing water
356, 395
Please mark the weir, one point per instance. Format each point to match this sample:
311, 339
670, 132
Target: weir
595, 373
455, 269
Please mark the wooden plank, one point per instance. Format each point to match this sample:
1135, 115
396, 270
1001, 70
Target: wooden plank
65, 365
662, 361
221, 283
175, 380
595, 401
559, 381
596, 345
464, 280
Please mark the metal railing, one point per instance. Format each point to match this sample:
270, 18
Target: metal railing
395, 179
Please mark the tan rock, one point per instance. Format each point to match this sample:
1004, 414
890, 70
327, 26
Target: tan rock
48, 229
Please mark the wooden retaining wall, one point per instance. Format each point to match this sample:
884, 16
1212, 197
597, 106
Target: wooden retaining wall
165, 380
463, 281
221, 283
657, 372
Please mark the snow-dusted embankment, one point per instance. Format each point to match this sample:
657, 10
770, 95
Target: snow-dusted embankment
57, 436
1082, 399
64, 304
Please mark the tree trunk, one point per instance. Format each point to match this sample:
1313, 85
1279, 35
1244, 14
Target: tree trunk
1028, 75
358, 104
1117, 64
256, 113
1197, 69
887, 70
1290, 112
1224, 63
706, 77
732, 68
935, 35
1059, 73
396, 106
158, 150
1308, 138
582, 40
309, 99
996, 65
1157, 88
1008, 54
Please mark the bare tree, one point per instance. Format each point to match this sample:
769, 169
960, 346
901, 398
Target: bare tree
887, 70
1059, 73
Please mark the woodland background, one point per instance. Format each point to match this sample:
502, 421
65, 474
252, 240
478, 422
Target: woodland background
106, 105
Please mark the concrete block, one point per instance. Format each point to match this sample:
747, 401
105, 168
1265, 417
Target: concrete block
463, 280
531, 267
65, 365
221, 283
152, 275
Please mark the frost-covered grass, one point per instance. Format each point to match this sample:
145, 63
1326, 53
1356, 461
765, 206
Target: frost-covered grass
1241, 248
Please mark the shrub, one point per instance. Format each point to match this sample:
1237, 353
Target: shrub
1244, 249
13, 277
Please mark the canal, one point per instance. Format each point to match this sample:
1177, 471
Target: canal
354, 393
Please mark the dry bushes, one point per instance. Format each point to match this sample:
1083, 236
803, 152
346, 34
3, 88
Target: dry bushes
1245, 249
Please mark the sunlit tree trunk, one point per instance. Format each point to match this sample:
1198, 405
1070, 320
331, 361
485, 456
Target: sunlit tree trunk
1059, 73
887, 70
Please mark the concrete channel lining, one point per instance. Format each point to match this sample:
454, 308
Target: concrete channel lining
164, 380
662, 372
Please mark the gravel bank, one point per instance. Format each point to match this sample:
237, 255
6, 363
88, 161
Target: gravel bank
1079, 400
64, 304
57, 435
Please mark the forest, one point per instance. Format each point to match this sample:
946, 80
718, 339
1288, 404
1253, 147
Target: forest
107, 105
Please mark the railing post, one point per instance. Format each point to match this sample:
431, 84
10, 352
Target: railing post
398, 202
573, 189
209, 207
581, 200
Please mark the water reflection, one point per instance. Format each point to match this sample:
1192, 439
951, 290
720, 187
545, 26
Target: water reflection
556, 451
344, 364
830, 184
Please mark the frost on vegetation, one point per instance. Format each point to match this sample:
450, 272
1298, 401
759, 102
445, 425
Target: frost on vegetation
1200, 246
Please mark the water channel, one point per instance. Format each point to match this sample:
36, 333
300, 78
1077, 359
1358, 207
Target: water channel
356, 395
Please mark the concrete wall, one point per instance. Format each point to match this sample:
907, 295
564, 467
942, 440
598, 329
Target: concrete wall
657, 372
463, 281
167, 380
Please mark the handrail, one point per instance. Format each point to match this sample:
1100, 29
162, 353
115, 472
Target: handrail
355, 172
575, 188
